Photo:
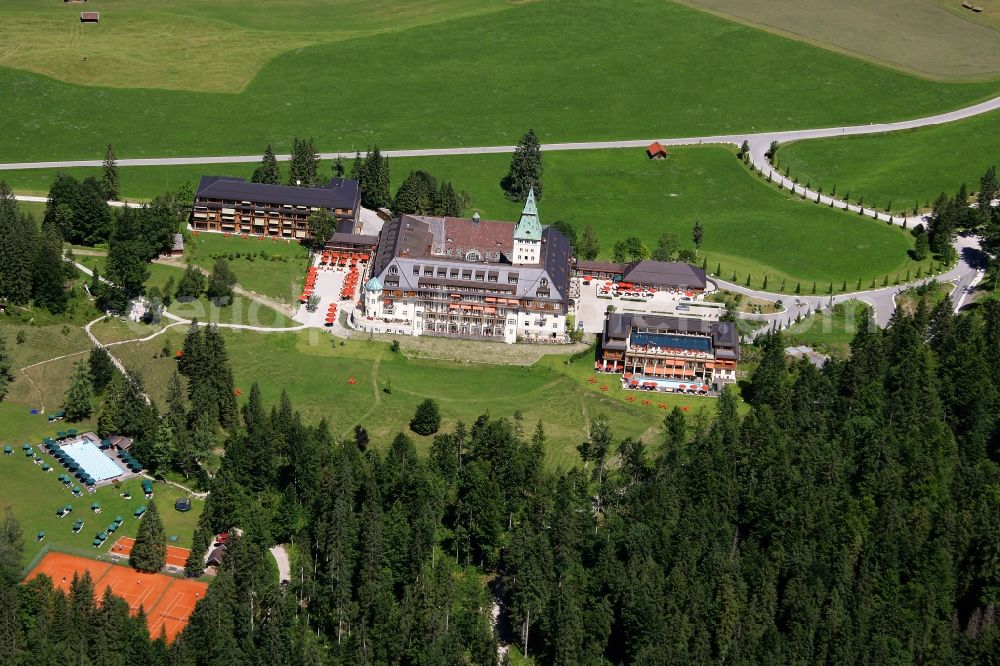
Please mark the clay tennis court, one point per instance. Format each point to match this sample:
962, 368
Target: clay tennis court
176, 556
168, 601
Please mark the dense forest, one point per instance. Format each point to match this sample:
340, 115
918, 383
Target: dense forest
850, 515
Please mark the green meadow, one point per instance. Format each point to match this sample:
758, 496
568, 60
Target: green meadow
750, 227
906, 168
315, 368
629, 69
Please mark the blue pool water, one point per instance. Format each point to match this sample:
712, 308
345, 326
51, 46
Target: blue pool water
92, 460
672, 341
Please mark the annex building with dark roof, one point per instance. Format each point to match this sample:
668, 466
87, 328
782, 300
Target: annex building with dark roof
647, 348
470, 278
648, 273
231, 205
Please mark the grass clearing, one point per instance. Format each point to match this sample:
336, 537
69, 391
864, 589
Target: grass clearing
919, 36
828, 332
906, 168
314, 368
750, 227
501, 73
34, 496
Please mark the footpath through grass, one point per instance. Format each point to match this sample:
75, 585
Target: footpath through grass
905, 168
629, 69
750, 227
34, 495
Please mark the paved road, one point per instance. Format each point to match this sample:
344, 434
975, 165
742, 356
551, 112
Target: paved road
965, 274
758, 141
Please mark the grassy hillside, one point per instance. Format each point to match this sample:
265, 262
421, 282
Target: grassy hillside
749, 226
631, 69
216, 46
903, 167
920, 36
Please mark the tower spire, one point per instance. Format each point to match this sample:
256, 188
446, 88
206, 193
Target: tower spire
528, 226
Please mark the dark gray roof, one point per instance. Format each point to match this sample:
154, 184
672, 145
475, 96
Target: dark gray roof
725, 336
357, 239
668, 273
585, 266
338, 193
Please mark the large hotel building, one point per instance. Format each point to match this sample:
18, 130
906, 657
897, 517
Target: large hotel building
470, 278
232, 205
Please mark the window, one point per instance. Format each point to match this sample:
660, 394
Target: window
512, 278
442, 272
472, 256
428, 271
454, 274
416, 270
466, 275
393, 270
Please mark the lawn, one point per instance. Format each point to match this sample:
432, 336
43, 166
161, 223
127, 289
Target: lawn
314, 368
630, 69
828, 332
34, 496
241, 311
907, 168
274, 269
919, 36
750, 227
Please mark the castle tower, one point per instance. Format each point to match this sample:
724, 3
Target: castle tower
528, 234
373, 298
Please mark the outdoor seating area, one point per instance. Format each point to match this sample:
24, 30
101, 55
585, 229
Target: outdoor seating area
333, 259
331, 315
350, 282
644, 383
133, 465
147, 488
310, 286
630, 291
140, 511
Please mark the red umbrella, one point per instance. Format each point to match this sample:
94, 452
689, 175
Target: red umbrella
683, 386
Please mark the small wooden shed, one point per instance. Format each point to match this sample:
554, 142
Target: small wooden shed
656, 151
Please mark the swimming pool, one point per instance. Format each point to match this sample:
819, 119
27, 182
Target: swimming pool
92, 460
670, 341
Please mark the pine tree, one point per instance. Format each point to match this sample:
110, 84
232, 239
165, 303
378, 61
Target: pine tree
149, 554
109, 175
221, 283
303, 169
49, 289
338, 167
101, 368
5, 374
268, 171
589, 247
195, 565
525, 172
697, 235
373, 176
427, 418
78, 403
191, 285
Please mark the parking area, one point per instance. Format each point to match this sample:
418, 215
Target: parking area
592, 304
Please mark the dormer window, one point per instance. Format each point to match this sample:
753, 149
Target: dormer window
393, 270
472, 256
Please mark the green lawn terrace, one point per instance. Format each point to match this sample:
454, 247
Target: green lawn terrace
497, 59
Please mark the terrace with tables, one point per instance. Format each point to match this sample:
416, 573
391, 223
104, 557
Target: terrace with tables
333, 279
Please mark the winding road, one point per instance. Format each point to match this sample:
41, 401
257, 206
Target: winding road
967, 272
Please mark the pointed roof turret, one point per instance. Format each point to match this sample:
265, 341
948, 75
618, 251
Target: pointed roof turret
528, 227
373, 285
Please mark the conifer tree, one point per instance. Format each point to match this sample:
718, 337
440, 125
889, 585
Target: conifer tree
149, 553
109, 175
268, 171
195, 565
427, 418
221, 283
589, 246
5, 374
338, 167
525, 170
78, 403
303, 169
49, 289
101, 368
